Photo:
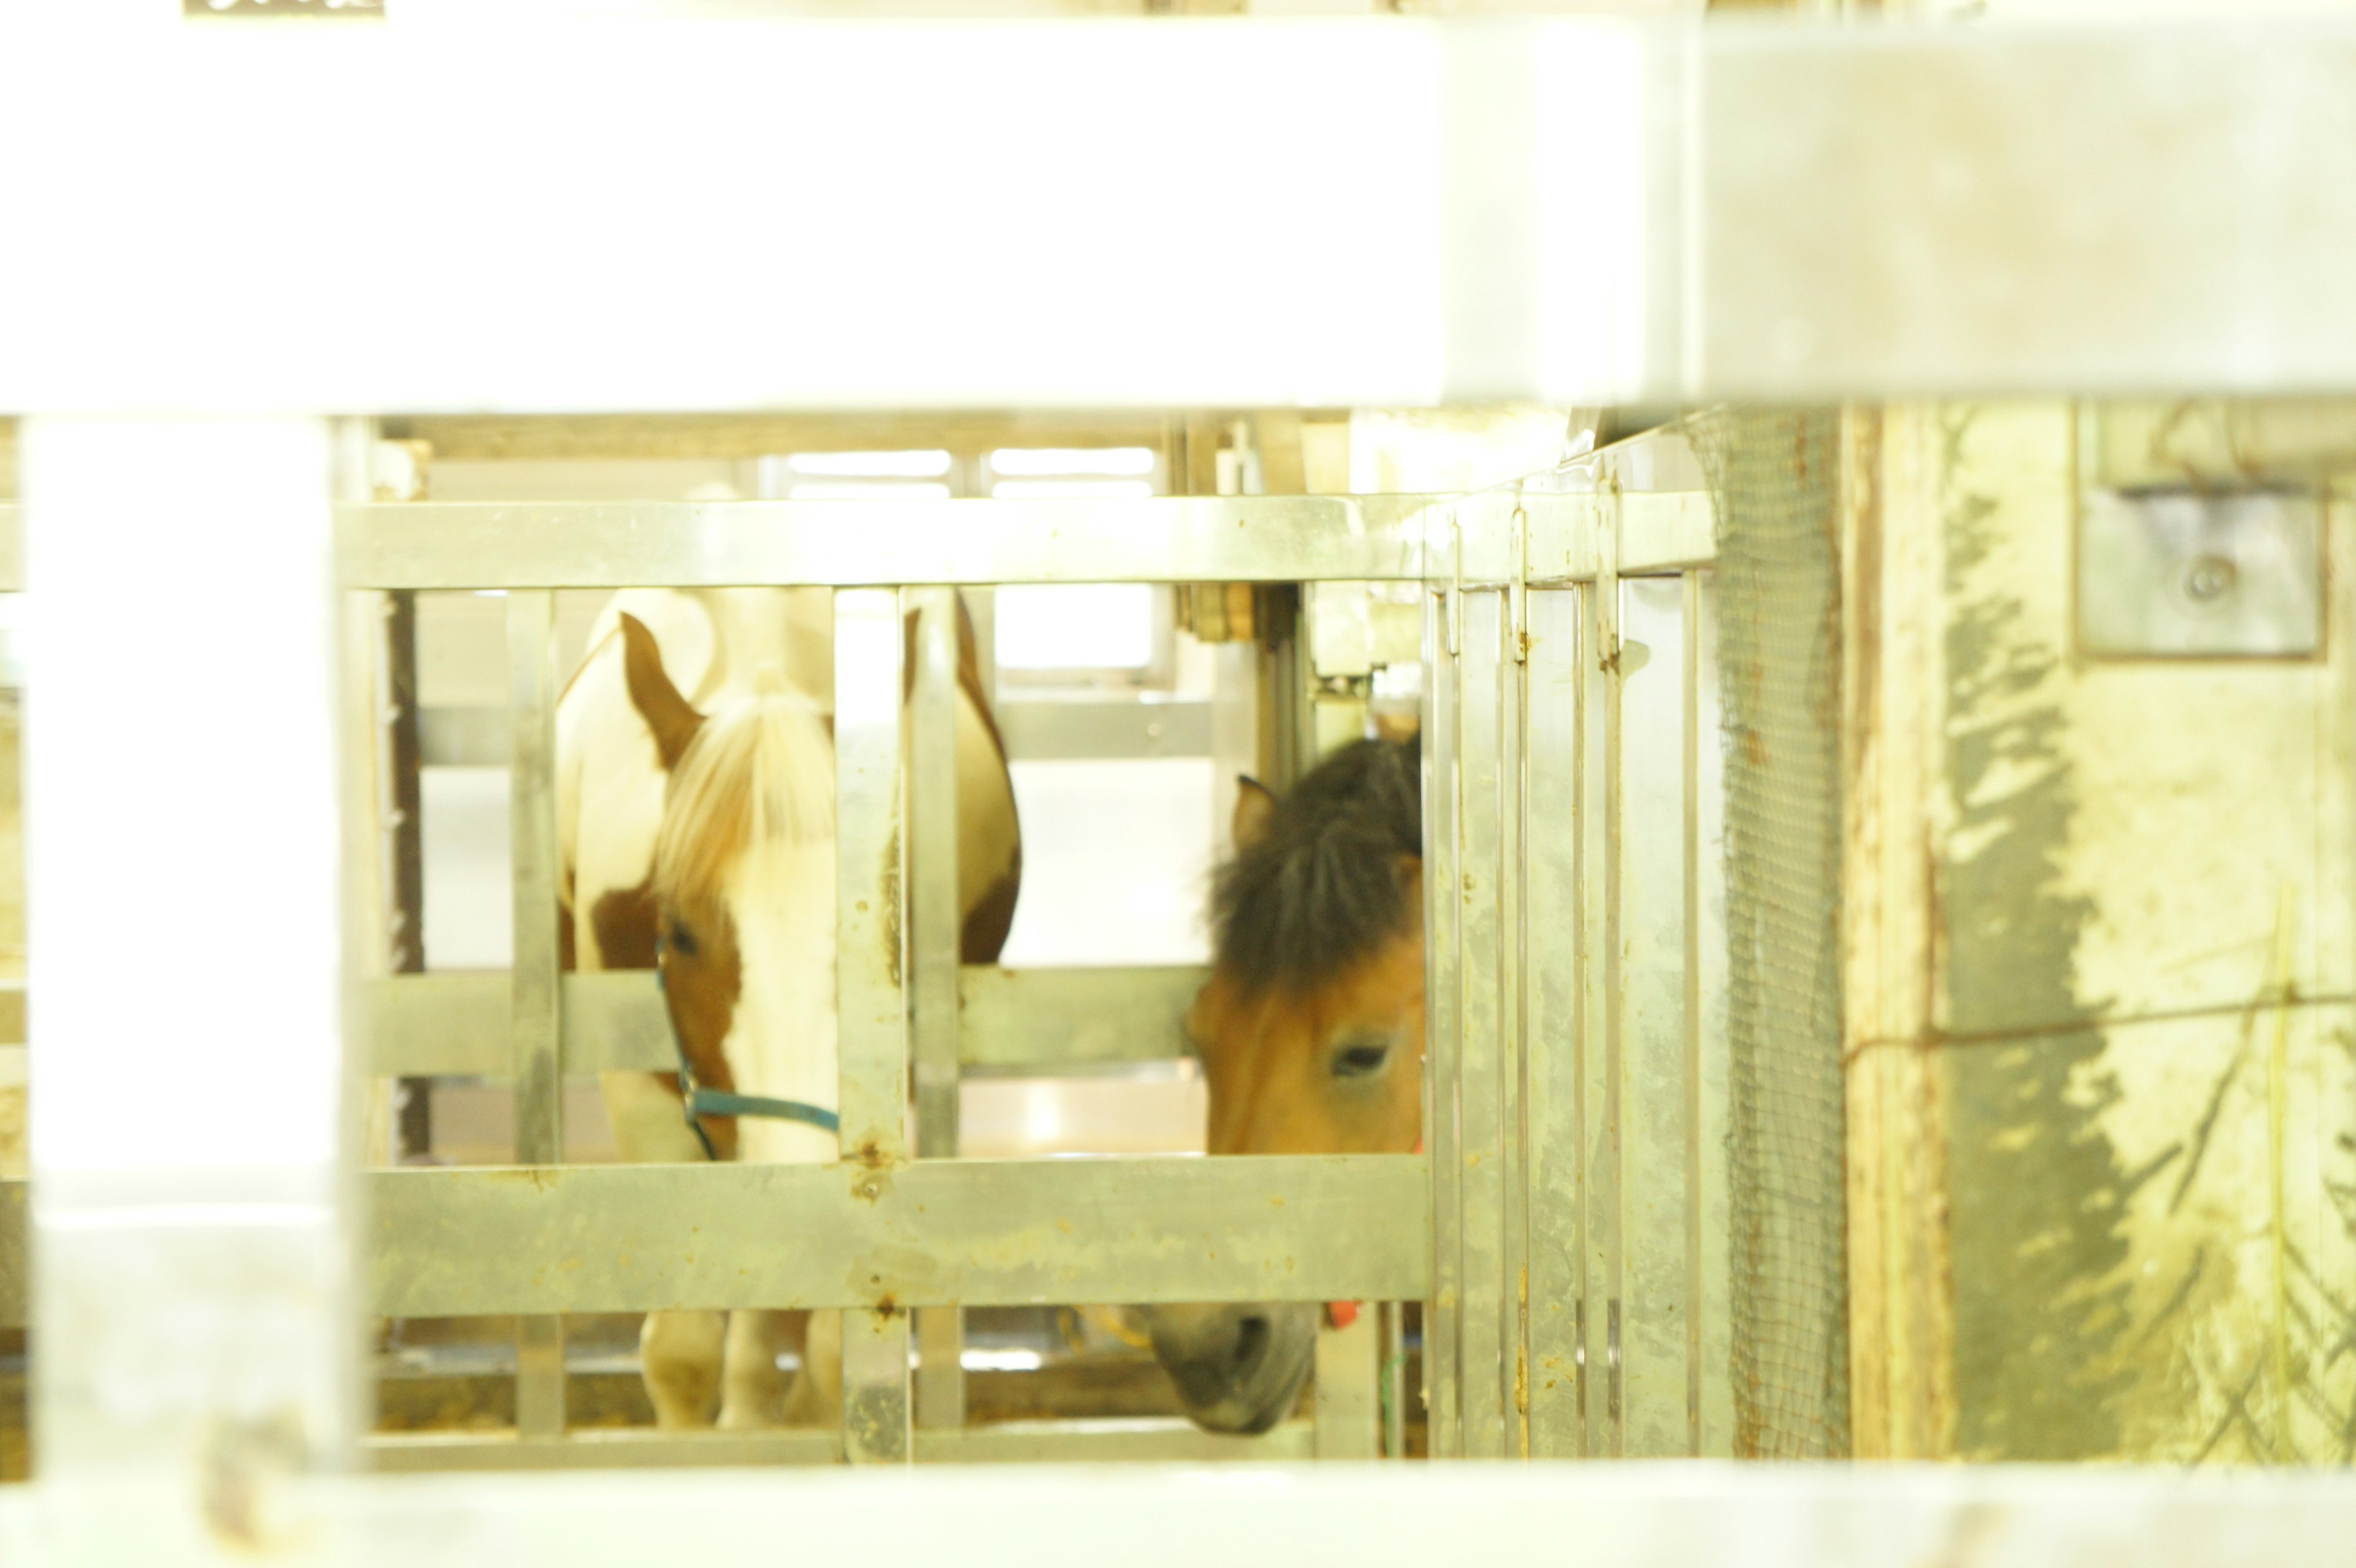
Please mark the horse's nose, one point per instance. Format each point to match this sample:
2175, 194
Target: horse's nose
1252, 1337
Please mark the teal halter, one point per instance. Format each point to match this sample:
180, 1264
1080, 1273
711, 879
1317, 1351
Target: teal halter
697, 1102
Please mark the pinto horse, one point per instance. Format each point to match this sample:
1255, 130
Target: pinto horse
1310, 1034
695, 805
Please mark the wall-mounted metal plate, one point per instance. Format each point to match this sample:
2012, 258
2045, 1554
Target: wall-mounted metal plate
2217, 575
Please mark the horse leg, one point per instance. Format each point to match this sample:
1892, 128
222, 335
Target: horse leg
752, 1390
816, 1396
680, 1355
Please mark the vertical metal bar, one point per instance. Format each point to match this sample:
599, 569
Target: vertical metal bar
1557, 958
871, 1006
1479, 938
1600, 1007
1712, 1260
1512, 1075
1443, 1031
537, 1036
932, 933
1349, 1407
1656, 1200
403, 825
1394, 1384
152, 1250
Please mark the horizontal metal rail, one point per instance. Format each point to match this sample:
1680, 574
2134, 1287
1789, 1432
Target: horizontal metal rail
1033, 731
1010, 1020
680, 544
1166, 1440
452, 1244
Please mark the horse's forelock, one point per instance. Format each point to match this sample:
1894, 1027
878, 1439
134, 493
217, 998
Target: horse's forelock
760, 770
1322, 890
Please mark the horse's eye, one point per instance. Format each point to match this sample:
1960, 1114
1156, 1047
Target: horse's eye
681, 940
1359, 1059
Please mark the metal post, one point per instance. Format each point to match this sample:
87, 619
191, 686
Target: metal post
1709, 1065
871, 1006
1487, 1362
538, 1032
1394, 1383
1348, 1399
1558, 953
197, 1225
403, 825
933, 953
1443, 1030
1599, 816
1656, 1136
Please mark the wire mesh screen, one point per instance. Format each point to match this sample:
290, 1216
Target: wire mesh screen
1773, 474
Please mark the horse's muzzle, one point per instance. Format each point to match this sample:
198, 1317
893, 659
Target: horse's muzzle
1239, 1366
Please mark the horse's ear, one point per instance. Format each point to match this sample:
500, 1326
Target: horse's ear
1255, 809
671, 718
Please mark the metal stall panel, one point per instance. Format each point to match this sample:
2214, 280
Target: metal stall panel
1602, 1266
870, 1003
1657, 1203
1444, 1033
1557, 954
933, 936
536, 1038
1480, 871
1709, 1332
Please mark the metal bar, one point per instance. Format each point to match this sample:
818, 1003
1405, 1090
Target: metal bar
461, 1243
933, 937
932, 870
404, 894
1657, 1241
1599, 818
1661, 533
16, 1254
1513, 1039
1038, 732
1149, 1440
875, 1424
538, 1024
1394, 1386
1011, 1021
873, 1012
1486, 1362
1235, 538
1709, 1066
1348, 1403
1443, 1032
1557, 954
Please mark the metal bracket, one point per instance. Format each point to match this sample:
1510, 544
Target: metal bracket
2188, 573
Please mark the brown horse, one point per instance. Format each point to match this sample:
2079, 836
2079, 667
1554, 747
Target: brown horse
696, 815
1311, 1033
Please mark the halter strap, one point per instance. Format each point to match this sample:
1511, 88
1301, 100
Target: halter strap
718, 1102
697, 1102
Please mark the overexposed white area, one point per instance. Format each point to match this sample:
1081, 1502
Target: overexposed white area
1092, 627
185, 930
1680, 1514
1159, 1111
1126, 461
604, 231
1116, 862
180, 786
469, 889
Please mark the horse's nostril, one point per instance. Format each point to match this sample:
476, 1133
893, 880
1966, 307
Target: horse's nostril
1251, 1340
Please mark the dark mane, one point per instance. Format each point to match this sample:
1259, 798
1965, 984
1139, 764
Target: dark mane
1321, 889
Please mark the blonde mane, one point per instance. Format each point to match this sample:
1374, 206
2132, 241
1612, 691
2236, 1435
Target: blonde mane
760, 770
